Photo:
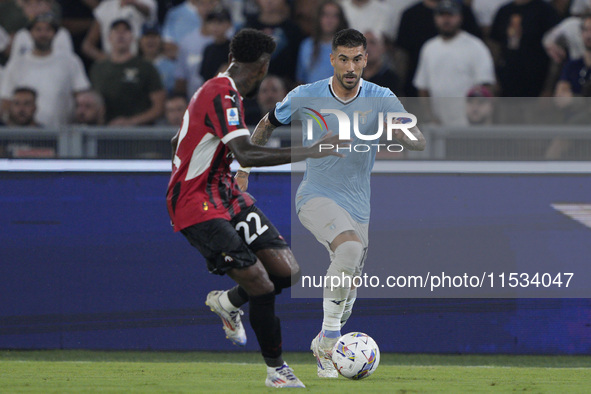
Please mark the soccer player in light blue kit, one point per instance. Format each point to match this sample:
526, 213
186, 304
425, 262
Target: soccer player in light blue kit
332, 201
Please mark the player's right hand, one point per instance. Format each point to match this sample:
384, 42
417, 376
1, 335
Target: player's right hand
327, 146
242, 180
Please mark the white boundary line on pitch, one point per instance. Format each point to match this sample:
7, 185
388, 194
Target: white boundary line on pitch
381, 167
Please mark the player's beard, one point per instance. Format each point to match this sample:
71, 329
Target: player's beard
42, 45
342, 77
450, 32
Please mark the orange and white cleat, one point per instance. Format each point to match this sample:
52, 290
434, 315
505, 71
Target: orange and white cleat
231, 319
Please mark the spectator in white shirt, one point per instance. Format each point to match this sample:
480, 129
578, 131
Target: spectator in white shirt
450, 64
22, 42
563, 42
55, 76
136, 12
364, 15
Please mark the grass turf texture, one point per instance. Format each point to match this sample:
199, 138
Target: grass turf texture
159, 372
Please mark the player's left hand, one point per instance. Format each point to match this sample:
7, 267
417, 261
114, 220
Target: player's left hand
242, 180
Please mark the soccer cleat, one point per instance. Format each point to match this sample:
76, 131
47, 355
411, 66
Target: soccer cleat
232, 322
322, 349
282, 377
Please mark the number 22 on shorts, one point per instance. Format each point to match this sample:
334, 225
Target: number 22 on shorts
251, 217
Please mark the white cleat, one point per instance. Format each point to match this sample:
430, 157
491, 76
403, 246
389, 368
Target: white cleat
232, 322
282, 377
323, 352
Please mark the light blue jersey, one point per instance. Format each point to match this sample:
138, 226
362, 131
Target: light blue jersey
344, 180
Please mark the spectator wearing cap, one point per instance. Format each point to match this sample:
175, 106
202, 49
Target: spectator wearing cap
151, 49
416, 27
22, 41
516, 36
130, 85
55, 76
136, 12
377, 70
90, 109
182, 20
215, 55
480, 108
450, 64
576, 74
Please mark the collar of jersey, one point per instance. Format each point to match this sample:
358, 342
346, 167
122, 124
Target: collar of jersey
341, 100
224, 75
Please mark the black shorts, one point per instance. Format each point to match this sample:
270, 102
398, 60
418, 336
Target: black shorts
233, 244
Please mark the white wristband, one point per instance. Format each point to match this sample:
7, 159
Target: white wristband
247, 169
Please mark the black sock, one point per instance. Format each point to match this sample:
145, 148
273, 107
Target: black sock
237, 296
267, 328
281, 282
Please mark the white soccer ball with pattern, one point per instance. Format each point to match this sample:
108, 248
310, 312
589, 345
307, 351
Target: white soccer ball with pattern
356, 355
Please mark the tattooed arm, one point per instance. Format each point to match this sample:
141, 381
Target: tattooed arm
260, 136
418, 144
263, 131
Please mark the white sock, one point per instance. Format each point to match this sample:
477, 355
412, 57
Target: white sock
343, 266
348, 306
225, 302
333, 312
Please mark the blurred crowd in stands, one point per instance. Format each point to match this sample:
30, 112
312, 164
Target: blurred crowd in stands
138, 62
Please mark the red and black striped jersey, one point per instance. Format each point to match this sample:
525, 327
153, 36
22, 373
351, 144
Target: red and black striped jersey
201, 185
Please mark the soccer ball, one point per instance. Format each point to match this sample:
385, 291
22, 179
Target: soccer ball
356, 355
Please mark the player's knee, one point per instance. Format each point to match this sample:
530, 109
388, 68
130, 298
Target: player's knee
256, 285
285, 282
347, 258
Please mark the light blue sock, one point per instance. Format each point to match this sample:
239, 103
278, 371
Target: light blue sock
331, 334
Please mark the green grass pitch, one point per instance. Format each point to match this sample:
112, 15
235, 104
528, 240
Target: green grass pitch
191, 372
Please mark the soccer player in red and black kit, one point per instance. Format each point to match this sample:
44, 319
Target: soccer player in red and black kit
222, 222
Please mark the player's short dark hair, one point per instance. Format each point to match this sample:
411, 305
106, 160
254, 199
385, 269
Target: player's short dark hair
249, 45
348, 38
25, 89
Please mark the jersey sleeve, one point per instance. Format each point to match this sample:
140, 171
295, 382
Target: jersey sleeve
391, 102
284, 110
226, 118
